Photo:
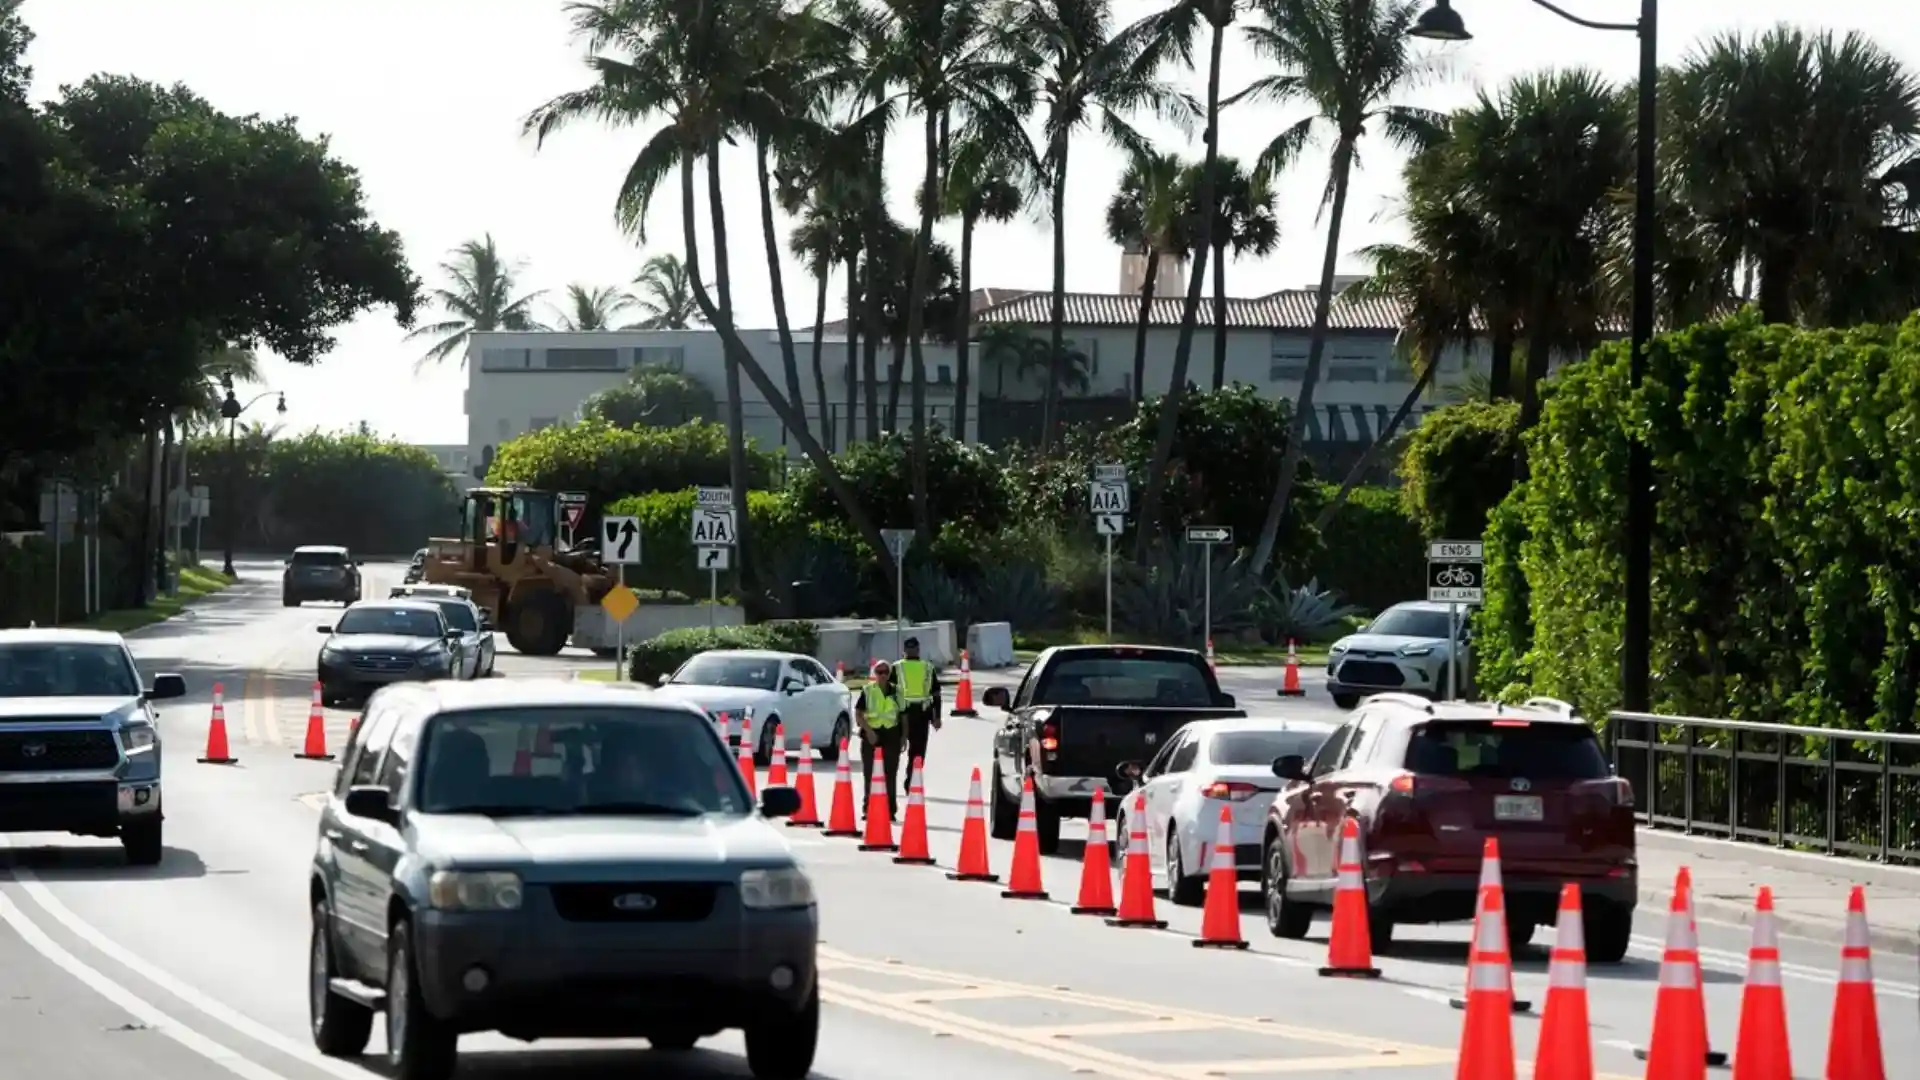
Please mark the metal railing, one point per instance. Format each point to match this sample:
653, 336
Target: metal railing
1823, 789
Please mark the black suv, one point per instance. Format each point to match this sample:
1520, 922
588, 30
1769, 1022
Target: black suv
555, 860
320, 573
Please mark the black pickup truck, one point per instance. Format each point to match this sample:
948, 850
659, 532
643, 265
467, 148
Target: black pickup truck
1078, 713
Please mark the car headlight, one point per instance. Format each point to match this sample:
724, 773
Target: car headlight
465, 890
1337, 648
328, 652
765, 890
435, 659
1415, 650
137, 737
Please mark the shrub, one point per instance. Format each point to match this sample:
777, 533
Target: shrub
1458, 465
1372, 553
666, 527
374, 495
653, 397
965, 485
27, 579
661, 655
609, 462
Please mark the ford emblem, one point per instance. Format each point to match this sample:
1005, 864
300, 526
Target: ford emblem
1152, 738
635, 901
1520, 783
33, 749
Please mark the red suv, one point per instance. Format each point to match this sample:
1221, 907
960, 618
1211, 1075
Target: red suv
1428, 783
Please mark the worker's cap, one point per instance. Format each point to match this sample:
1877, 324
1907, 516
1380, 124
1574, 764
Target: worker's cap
913, 643
881, 667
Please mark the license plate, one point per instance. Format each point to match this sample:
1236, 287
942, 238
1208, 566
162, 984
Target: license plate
1518, 808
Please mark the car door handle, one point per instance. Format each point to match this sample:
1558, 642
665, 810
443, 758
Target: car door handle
358, 845
335, 834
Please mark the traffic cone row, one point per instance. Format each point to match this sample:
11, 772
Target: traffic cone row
1220, 921
1096, 871
963, 696
809, 815
972, 864
1024, 883
1350, 942
777, 763
840, 820
315, 748
879, 809
744, 756
1136, 875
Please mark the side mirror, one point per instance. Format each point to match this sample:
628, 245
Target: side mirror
371, 801
1127, 775
1290, 767
325, 629
167, 687
790, 685
1228, 701
663, 680
486, 624
996, 697
779, 801
453, 635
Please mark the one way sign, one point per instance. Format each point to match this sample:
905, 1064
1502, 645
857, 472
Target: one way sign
620, 540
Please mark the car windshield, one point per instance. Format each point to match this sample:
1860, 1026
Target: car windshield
1507, 749
1261, 747
1410, 622
66, 670
722, 669
1125, 680
459, 615
578, 760
319, 558
401, 622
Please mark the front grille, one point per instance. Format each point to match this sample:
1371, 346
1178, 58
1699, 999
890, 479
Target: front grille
57, 751
1369, 673
380, 663
673, 901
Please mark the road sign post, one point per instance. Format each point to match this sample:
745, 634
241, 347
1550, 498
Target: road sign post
713, 527
1206, 536
1111, 499
898, 541
620, 543
1456, 577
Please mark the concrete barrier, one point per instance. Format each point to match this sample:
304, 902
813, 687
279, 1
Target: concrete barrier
594, 629
990, 645
857, 643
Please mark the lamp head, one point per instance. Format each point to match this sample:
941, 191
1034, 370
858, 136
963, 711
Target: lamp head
1440, 23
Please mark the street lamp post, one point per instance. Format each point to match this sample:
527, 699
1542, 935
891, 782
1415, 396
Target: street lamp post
1442, 23
230, 410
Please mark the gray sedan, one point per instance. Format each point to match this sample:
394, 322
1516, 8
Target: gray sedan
476, 632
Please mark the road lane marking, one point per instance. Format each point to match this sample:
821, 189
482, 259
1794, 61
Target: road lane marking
1732, 963
128, 1002
1158, 1026
249, 707
1310, 1064
270, 715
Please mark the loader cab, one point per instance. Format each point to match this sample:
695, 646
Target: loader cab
512, 518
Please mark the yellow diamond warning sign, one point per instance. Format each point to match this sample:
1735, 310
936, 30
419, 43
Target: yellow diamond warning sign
620, 603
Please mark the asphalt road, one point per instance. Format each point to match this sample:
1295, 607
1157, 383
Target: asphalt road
195, 969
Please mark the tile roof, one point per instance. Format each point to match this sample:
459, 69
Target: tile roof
983, 299
1288, 309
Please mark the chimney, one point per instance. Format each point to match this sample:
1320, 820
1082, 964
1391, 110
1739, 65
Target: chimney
1170, 281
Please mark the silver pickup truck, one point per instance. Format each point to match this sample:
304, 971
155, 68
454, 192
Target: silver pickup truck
80, 738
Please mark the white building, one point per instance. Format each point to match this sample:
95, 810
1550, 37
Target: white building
456, 461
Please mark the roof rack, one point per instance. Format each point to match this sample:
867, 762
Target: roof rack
1555, 704
1402, 698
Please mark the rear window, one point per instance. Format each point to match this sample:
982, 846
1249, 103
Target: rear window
319, 558
1125, 680
1482, 748
1261, 747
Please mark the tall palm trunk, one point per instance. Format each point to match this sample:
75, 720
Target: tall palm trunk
1148, 529
1500, 373
875, 243
819, 366
1219, 312
896, 379
916, 313
1057, 345
770, 233
1147, 283
854, 308
1380, 442
962, 346
737, 477
1316, 351
1539, 356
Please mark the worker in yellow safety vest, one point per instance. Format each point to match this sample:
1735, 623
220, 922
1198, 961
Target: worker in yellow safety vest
877, 709
919, 698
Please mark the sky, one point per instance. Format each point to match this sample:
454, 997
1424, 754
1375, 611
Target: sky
425, 98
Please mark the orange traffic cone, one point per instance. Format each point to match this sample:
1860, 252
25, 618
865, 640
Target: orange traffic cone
1853, 1048
879, 810
1760, 1051
218, 753
1210, 662
1136, 874
353, 728
543, 740
809, 815
973, 865
1024, 883
840, 820
1490, 879
745, 756
913, 828
1350, 943
316, 742
1683, 895
1220, 922
1096, 862
1290, 681
840, 672
1566, 1042
963, 697
1486, 1041
777, 761
1679, 1047
522, 757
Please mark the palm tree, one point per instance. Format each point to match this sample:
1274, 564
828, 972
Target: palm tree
1244, 220
483, 297
666, 295
1345, 59
1148, 216
977, 188
824, 190
1030, 353
1088, 73
691, 69
590, 307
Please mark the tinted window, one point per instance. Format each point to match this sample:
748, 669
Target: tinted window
1329, 753
724, 669
66, 670
584, 760
319, 558
1506, 749
405, 622
377, 728
1410, 622
1122, 680
393, 771
459, 614
1159, 763
1261, 747
1183, 757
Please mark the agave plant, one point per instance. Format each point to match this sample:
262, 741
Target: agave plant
1167, 599
1016, 593
1303, 614
933, 595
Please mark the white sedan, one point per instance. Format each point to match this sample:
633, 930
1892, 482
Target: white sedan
781, 688
1209, 764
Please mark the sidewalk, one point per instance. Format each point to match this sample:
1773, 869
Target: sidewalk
1809, 891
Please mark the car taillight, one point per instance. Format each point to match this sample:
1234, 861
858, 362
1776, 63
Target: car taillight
1407, 783
1620, 791
1050, 737
1230, 790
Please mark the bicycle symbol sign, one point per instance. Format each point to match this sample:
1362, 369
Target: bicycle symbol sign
1456, 577
1454, 572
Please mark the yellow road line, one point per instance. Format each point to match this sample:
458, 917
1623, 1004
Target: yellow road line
249, 706
1140, 1026
270, 716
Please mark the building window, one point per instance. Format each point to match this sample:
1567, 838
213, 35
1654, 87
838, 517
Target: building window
1287, 368
541, 423
504, 428
505, 359
1353, 373
1288, 346
583, 360
943, 374
666, 357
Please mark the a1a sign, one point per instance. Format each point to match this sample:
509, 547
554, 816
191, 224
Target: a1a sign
713, 518
1109, 493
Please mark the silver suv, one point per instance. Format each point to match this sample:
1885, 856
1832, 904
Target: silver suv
1405, 648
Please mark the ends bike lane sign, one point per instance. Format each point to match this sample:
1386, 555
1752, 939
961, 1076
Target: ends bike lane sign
1455, 572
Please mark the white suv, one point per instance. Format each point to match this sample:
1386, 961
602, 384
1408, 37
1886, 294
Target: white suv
1405, 648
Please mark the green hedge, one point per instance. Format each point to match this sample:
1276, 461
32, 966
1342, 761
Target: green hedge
1457, 466
374, 495
661, 655
27, 580
1372, 553
610, 463
1786, 559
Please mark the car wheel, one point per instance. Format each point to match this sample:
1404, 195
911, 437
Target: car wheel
143, 842
491, 657
1346, 701
288, 601
341, 1026
1046, 824
1608, 931
419, 1045
842, 731
781, 1043
1285, 918
763, 753
1182, 890
673, 1042
1003, 815
1379, 931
